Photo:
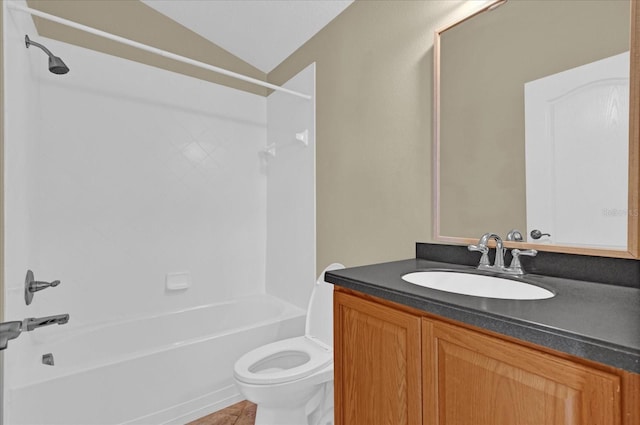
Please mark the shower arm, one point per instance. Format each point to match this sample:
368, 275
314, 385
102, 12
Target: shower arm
28, 42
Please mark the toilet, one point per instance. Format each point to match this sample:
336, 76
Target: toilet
291, 380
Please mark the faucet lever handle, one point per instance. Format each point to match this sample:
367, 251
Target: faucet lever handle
526, 252
516, 253
484, 260
31, 286
37, 285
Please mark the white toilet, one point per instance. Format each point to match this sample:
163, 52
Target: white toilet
291, 380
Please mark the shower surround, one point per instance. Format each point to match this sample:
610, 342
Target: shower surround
122, 178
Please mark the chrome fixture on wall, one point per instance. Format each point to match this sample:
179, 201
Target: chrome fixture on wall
56, 65
31, 285
32, 323
12, 330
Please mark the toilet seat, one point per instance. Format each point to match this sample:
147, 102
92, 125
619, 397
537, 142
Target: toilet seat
282, 361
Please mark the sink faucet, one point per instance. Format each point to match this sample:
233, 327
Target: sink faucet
498, 263
515, 268
37, 322
482, 247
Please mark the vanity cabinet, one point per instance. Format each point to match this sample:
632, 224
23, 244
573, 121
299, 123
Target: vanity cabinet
395, 365
377, 364
470, 378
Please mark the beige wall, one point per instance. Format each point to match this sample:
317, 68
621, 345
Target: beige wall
374, 128
485, 63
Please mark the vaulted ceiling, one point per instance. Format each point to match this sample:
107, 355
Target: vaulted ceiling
261, 32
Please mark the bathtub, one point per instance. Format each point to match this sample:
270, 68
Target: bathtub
167, 369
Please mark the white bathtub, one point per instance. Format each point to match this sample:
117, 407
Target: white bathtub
167, 369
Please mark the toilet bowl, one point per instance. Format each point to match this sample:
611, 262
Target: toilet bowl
291, 380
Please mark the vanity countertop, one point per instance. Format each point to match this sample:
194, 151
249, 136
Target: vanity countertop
590, 320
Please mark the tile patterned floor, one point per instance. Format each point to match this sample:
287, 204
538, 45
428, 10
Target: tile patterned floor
242, 413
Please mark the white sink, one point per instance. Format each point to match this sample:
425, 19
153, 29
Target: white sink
478, 285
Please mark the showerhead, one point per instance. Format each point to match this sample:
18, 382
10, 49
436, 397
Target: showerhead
56, 65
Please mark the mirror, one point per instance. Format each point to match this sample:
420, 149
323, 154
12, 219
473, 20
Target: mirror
536, 121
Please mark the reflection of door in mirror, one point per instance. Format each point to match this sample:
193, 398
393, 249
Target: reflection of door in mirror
576, 139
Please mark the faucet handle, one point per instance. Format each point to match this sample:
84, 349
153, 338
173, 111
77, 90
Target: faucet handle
484, 260
515, 262
526, 252
31, 286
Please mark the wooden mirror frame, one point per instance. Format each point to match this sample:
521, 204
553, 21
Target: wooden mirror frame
633, 226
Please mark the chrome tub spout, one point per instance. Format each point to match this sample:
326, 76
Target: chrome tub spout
37, 322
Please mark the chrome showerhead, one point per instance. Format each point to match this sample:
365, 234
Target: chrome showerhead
56, 65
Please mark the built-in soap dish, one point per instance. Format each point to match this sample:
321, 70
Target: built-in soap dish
178, 281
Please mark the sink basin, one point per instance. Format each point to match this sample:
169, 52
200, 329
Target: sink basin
478, 285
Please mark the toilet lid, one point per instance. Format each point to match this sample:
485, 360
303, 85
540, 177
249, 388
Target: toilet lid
256, 367
319, 324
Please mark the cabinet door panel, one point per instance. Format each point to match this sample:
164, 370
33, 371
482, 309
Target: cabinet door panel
378, 364
476, 379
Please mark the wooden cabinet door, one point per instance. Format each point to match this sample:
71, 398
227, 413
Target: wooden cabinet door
470, 378
377, 364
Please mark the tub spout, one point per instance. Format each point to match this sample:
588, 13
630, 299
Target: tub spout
37, 322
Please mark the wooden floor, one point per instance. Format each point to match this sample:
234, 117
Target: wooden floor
243, 413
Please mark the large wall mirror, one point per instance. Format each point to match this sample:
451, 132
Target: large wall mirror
537, 115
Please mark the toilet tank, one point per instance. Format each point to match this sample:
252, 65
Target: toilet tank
319, 326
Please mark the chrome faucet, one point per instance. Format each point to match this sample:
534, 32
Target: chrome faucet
482, 247
515, 268
498, 263
37, 322
12, 330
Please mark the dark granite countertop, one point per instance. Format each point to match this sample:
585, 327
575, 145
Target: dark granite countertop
590, 320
